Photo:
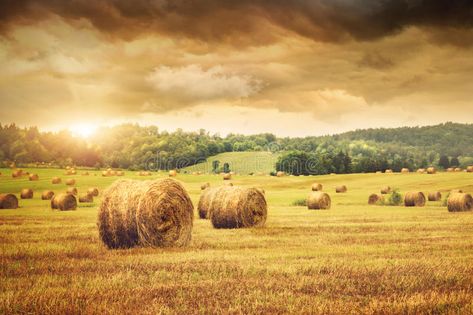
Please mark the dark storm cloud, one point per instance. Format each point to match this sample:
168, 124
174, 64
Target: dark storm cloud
225, 20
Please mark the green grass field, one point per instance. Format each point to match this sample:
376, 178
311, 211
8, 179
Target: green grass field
240, 162
352, 259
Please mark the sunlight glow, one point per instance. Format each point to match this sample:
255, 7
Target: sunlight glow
83, 130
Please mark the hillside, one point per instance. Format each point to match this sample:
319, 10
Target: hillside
240, 162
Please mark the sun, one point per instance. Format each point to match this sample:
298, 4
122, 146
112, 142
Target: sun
83, 130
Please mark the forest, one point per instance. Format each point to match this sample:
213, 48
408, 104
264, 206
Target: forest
133, 147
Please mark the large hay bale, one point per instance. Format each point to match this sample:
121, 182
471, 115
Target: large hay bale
47, 195
238, 207
17, 173
318, 200
405, 170
385, 190
434, 196
414, 199
431, 170
172, 173
341, 189
70, 181
204, 186
469, 169
280, 174
8, 201
26, 193
317, 187
152, 213
86, 198
375, 198
72, 191
460, 202
205, 200
227, 176
94, 191
56, 180
64, 202
388, 171
33, 177
421, 170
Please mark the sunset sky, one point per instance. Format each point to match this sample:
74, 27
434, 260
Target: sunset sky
288, 67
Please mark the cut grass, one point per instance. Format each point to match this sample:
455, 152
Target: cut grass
351, 259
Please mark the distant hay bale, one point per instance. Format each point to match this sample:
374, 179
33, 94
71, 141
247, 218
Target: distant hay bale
375, 198
405, 170
317, 187
64, 202
460, 202
113, 173
70, 181
414, 199
109, 169
68, 167
238, 207
151, 213
204, 202
341, 189
318, 200
47, 195
379, 172
469, 169
421, 170
106, 173
385, 190
17, 173
450, 169
204, 186
85, 174
431, 170
144, 173
227, 176
120, 173
26, 193
33, 177
457, 169
73, 171
85, 198
56, 180
434, 196
388, 171
8, 201
172, 173
280, 174
94, 191
72, 191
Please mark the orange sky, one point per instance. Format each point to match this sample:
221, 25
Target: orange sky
291, 68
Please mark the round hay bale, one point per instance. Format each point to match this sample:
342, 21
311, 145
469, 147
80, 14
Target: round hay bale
238, 207
388, 171
469, 169
317, 187
94, 191
414, 199
33, 177
151, 213
227, 176
73, 171
204, 186
385, 190
280, 174
56, 180
318, 200
17, 173
457, 169
86, 198
8, 201
68, 167
341, 189
460, 202
405, 170
113, 173
26, 193
205, 200
421, 170
379, 172
105, 173
64, 202
85, 174
120, 173
72, 191
431, 170
375, 198
450, 169
172, 173
435, 196
70, 181
47, 195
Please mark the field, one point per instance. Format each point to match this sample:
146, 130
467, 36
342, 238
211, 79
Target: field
351, 259
240, 162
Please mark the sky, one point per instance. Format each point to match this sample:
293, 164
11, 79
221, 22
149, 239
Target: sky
293, 68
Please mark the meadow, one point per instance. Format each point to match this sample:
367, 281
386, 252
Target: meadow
351, 259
